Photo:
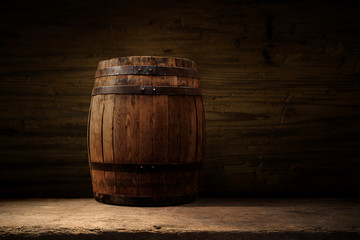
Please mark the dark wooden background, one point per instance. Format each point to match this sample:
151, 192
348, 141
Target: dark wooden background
281, 83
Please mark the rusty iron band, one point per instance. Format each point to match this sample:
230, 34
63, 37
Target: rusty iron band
146, 70
147, 90
146, 167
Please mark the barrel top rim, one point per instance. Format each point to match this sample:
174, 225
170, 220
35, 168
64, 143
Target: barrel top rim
186, 59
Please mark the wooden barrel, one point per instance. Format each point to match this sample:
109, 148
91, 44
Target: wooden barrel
146, 131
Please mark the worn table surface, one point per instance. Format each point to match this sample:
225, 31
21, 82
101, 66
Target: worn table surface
86, 217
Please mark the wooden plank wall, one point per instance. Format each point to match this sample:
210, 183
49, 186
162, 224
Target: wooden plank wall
280, 79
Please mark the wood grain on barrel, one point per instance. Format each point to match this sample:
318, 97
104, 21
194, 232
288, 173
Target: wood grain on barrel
145, 136
174, 139
96, 137
119, 135
160, 136
108, 141
140, 129
132, 143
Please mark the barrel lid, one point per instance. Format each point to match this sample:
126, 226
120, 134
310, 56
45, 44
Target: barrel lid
159, 61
